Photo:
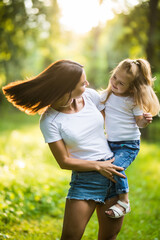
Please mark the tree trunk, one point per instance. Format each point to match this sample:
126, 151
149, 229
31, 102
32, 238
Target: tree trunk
152, 18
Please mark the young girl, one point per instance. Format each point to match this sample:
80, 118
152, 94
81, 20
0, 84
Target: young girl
130, 103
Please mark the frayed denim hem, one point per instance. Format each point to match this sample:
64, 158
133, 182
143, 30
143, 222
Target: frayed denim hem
109, 196
121, 191
87, 199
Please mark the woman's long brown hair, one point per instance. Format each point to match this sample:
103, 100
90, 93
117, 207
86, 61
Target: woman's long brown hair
36, 94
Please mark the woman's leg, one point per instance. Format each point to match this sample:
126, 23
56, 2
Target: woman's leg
77, 215
108, 227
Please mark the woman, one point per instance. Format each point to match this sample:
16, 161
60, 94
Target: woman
73, 127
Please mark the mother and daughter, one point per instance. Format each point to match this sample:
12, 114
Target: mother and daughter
73, 127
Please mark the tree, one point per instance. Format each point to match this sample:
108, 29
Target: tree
28, 28
152, 32
139, 35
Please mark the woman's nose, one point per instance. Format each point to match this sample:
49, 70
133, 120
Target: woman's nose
87, 83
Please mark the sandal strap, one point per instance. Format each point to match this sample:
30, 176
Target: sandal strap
117, 211
126, 206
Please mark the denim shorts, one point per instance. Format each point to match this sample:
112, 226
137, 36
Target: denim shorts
90, 186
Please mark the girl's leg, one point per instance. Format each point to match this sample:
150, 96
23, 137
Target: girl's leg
77, 215
125, 153
121, 160
108, 227
121, 186
124, 156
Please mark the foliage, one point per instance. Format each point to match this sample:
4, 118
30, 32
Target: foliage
33, 188
32, 37
129, 34
157, 84
126, 35
26, 37
93, 51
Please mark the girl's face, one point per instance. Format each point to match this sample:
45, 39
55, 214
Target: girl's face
120, 83
80, 87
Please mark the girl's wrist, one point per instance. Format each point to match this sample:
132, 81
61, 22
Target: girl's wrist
145, 123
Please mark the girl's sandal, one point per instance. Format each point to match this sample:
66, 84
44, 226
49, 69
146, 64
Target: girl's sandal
117, 211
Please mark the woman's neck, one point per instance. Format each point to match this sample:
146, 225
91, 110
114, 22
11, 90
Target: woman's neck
74, 106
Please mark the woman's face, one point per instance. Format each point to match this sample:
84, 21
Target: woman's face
80, 87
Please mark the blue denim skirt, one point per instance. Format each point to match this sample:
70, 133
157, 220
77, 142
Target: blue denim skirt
90, 186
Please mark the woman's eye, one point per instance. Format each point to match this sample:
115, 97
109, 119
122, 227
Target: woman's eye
85, 83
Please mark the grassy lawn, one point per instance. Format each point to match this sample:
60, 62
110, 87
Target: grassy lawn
33, 187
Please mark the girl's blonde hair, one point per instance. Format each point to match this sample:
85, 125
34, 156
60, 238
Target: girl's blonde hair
141, 84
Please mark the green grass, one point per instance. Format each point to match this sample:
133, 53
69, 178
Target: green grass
33, 187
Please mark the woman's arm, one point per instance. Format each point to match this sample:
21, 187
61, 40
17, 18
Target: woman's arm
106, 168
143, 120
103, 113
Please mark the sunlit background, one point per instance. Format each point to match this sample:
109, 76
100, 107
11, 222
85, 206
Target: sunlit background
98, 34
81, 15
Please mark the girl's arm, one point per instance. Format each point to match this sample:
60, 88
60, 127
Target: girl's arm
143, 120
106, 168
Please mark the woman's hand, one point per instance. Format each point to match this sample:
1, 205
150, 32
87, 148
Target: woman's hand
107, 169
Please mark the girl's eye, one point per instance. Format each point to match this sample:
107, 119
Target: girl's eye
121, 84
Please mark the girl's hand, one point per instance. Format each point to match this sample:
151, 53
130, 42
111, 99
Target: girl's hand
107, 169
148, 117
143, 120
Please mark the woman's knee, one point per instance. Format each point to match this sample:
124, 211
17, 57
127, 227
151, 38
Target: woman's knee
70, 236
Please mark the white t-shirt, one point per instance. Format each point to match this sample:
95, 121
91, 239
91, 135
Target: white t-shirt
82, 132
120, 124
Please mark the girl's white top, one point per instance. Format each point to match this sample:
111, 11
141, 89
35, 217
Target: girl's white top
82, 132
120, 112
